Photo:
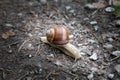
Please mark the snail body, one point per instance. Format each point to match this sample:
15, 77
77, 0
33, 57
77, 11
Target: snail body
58, 37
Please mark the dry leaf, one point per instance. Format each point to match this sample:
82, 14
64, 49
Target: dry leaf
8, 34
100, 4
116, 2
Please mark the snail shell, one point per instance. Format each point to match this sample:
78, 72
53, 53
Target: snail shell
58, 35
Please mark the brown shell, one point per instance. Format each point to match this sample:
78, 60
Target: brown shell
58, 35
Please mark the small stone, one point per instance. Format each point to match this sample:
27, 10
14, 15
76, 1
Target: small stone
89, 6
68, 7
71, 36
111, 76
10, 51
8, 25
94, 69
58, 63
93, 22
109, 9
20, 14
96, 27
116, 53
29, 55
117, 68
83, 53
110, 39
72, 11
30, 35
43, 1
91, 41
86, 19
30, 46
90, 76
94, 56
117, 22
83, 65
108, 46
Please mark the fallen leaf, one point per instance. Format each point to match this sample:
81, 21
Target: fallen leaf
100, 4
116, 2
8, 34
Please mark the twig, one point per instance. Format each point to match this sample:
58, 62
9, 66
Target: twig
48, 75
115, 58
22, 45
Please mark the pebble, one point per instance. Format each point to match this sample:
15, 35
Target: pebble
83, 53
96, 27
94, 69
8, 25
91, 41
93, 22
117, 22
29, 55
110, 39
109, 9
71, 36
10, 51
94, 56
90, 76
30, 46
72, 11
43, 1
20, 14
68, 7
89, 6
108, 46
116, 53
58, 63
117, 68
111, 76
30, 35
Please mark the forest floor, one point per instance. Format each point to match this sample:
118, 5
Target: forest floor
93, 31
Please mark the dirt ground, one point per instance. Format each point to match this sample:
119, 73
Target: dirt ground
24, 57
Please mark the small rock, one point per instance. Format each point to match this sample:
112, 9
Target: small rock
30, 35
72, 11
108, 46
86, 19
30, 46
8, 25
71, 36
83, 53
111, 76
68, 7
96, 27
89, 6
93, 22
94, 56
58, 63
110, 39
109, 9
91, 41
117, 22
116, 53
43, 1
94, 69
20, 14
83, 65
90, 76
117, 68
10, 51
29, 55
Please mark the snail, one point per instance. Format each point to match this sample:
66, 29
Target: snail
58, 37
